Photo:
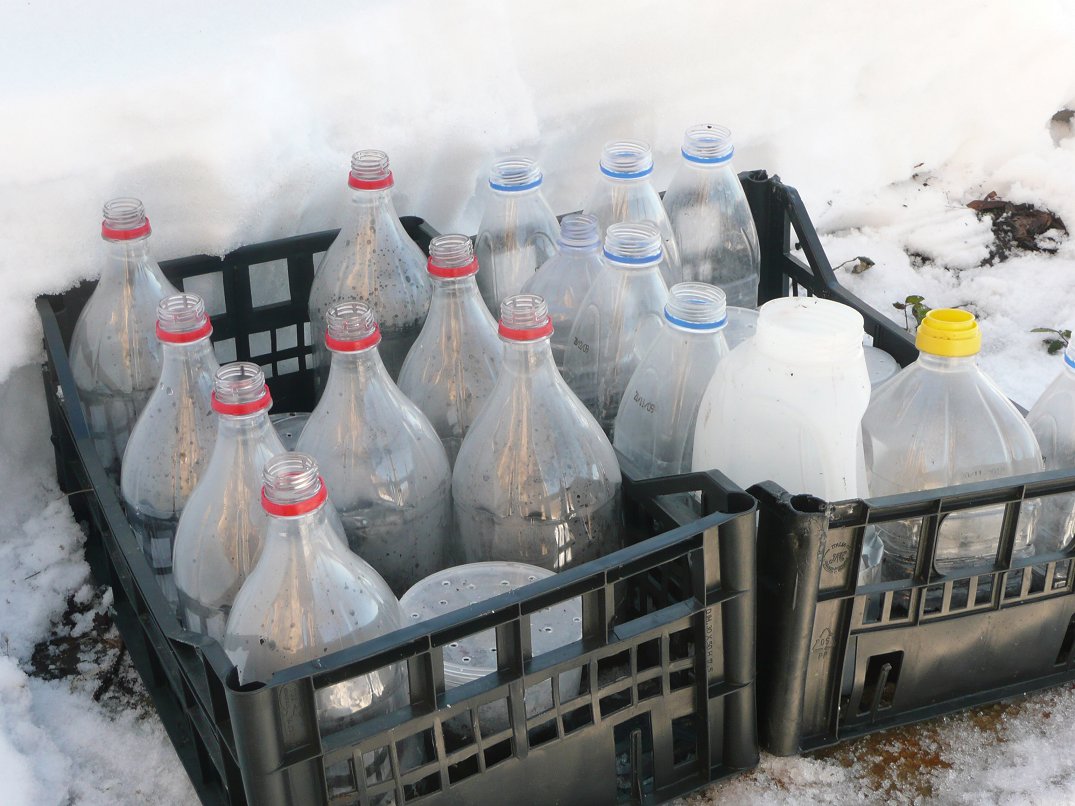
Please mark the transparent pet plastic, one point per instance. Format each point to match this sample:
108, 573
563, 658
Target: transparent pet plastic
656, 421
375, 261
620, 317
454, 363
518, 230
565, 279
115, 355
385, 466
624, 194
1053, 421
942, 421
474, 656
171, 442
309, 596
219, 535
711, 219
536, 480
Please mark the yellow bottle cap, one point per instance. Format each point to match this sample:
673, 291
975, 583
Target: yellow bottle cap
949, 332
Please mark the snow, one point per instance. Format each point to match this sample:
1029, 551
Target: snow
234, 123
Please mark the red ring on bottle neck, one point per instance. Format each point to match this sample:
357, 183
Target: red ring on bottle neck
450, 273
357, 346
263, 403
370, 184
124, 234
526, 334
298, 507
188, 337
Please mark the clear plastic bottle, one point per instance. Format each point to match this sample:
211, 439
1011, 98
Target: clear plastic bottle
517, 231
383, 462
115, 356
564, 280
658, 412
1052, 420
373, 260
309, 596
711, 219
219, 536
941, 421
618, 321
536, 481
173, 438
624, 194
454, 363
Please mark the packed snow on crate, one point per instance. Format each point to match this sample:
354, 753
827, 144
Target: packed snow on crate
234, 124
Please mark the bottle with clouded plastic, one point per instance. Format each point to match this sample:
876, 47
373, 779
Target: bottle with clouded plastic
454, 363
309, 596
711, 219
518, 230
219, 536
386, 469
373, 260
171, 442
619, 319
536, 480
1053, 421
624, 194
564, 279
659, 409
115, 355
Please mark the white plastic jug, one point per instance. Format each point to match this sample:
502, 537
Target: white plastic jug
786, 404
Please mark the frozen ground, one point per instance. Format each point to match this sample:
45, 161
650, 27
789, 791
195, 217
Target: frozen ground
234, 123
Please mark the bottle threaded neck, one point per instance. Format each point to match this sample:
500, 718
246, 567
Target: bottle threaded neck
515, 174
580, 232
708, 144
634, 243
370, 170
239, 382
525, 317
182, 315
452, 256
290, 481
124, 219
626, 159
697, 307
351, 327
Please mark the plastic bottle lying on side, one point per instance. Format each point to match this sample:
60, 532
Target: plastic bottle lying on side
942, 421
711, 219
1052, 420
518, 230
115, 355
656, 422
536, 480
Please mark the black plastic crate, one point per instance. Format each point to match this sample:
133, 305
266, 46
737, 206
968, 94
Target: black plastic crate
838, 660
668, 696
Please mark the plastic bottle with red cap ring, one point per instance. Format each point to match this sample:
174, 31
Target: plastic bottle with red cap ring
115, 356
171, 442
624, 193
375, 261
455, 362
309, 596
385, 466
518, 229
219, 535
536, 480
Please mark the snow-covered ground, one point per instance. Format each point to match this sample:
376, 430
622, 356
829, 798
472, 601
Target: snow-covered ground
234, 123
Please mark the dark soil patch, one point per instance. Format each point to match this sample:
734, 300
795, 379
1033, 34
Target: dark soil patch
1016, 227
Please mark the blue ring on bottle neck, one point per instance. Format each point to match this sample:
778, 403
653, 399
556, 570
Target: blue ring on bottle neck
626, 174
516, 188
634, 261
683, 323
1069, 360
708, 160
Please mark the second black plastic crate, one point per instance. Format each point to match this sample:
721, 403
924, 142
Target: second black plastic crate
837, 659
667, 702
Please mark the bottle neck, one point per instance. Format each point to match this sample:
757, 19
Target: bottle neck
355, 369
447, 290
942, 363
245, 427
125, 259
524, 359
198, 356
